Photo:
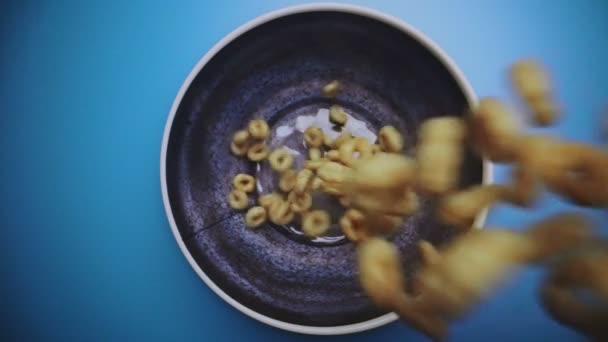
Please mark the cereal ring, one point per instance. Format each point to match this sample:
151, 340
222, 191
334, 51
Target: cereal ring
438, 167
280, 212
239, 150
316, 183
524, 187
385, 171
255, 217
304, 179
444, 129
342, 138
494, 130
238, 199
267, 200
313, 165
331, 188
299, 202
327, 141
382, 224
240, 137
380, 271
314, 136
316, 223
280, 160
287, 181
314, 154
333, 172
353, 225
337, 115
333, 155
258, 129
332, 89
357, 145
257, 152
531, 81
244, 182
559, 295
461, 208
390, 139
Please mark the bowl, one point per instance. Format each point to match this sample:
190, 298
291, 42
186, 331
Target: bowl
274, 67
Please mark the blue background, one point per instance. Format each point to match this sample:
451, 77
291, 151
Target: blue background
85, 89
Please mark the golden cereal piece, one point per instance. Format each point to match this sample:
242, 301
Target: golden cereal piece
444, 129
397, 201
239, 150
531, 81
258, 129
257, 152
380, 271
316, 223
280, 212
244, 182
280, 160
240, 137
316, 183
560, 294
384, 171
461, 208
327, 141
428, 253
333, 172
494, 130
314, 165
438, 167
314, 136
314, 153
557, 235
351, 147
352, 224
333, 155
376, 149
300, 202
342, 138
255, 217
304, 179
390, 139
332, 89
237, 199
287, 181
331, 188
267, 200
337, 115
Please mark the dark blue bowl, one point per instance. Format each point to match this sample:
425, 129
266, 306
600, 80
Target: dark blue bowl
273, 68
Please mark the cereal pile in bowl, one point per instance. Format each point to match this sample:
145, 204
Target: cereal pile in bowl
379, 185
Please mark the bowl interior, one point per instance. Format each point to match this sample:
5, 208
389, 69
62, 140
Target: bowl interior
275, 71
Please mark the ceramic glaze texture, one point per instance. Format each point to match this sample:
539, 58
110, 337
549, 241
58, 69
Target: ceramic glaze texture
275, 72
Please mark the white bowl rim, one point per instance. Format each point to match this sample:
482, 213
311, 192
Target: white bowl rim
311, 7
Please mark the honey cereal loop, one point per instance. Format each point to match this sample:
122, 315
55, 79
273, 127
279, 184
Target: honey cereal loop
280, 160
237, 199
316, 223
314, 136
244, 182
255, 217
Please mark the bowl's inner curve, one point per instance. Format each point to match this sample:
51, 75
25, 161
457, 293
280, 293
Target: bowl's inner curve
275, 72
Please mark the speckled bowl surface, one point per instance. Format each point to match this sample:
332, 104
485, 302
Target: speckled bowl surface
273, 68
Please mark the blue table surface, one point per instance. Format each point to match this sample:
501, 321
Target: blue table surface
85, 88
